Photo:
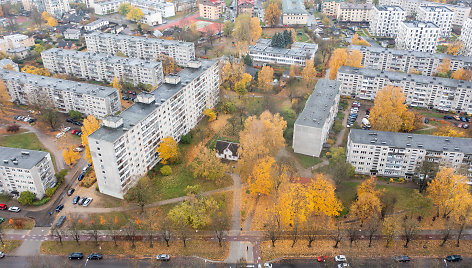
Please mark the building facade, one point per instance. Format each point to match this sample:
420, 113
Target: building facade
312, 126
62, 95
26, 170
294, 12
349, 12
385, 20
147, 6
211, 9
245, 6
56, 8
394, 154
123, 149
15, 41
96, 24
102, 67
439, 15
420, 91
466, 37
417, 36
140, 47
299, 53
330, 7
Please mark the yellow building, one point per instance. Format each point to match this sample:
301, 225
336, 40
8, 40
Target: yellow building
330, 7
211, 9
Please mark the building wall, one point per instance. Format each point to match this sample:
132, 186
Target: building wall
466, 37
294, 19
356, 14
212, 12
15, 41
441, 17
385, 22
307, 140
330, 7
421, 38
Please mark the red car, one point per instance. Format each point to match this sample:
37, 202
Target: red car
322, 258
74, 131
3, 206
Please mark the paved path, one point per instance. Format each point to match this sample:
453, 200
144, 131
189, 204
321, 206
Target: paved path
50, 144
340, 137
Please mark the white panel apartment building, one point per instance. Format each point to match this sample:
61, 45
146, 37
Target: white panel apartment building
57, 8
439, 15
108, 7
123, 149
26, 170
399, 60
63, 95
263, 53
312, 126
354, 12
384, 20
466, 37
101, 66
417, 36
394, 154
421, 91
140, 47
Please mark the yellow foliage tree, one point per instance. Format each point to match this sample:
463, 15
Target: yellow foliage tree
70, 157
168, 150
260, 182
247, 30
455, 48
168, 64
308, 72
52, 22
360, 42
272, 14
367, 203
294, 68
266, 78
210, 114
459, 74
354, 59
256, 30
90, 124
448, 130
322, 198
5, 102
116, 84
35, 70
337, 60
444, 67
135, 14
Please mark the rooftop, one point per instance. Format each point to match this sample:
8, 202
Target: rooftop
96, 22
356, 6
293, 7
414, 141
130, 38
319, 103
436, 9
211, 2
20, 158
298, 49
419, 24
389, 8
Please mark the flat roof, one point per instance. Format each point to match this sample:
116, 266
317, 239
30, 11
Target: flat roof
24, 158
389, 8
419, 24
96, 22
319, 103
130, 38
436, 8
355, 6
293, 7
298, 48
415, 141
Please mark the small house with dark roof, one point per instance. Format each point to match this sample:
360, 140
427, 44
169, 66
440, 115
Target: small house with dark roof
227, 150
67, 45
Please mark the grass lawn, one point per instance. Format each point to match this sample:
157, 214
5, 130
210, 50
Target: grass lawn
425, 131
23, 140
303, 37
429, 113
307, 161
10, 245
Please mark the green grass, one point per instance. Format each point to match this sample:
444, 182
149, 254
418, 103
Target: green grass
426, 131
303, 37
255, 106
228, 2
24, 140
432, 114
307, 161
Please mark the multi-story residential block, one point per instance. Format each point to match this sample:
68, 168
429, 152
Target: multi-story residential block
15, 41
263, 53
384, 20
96, 24
417, 36
398, 60
102, 67
466, 37
246, 6
394, 154
56, 8
8, 63
62, 95
108, 7
420, 91
354, 12
140, 47
25, 170
72, 34
211, 9
294, 12
124, 148
330, 7
439, 15
312, 126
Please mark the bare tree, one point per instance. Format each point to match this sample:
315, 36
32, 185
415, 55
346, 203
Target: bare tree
219, 224
273, 231
446, 232
57, 233
372, 226
352, 231
165, 230
94, 227
130, 231
338, 234
410, 228
294, 233
74, 228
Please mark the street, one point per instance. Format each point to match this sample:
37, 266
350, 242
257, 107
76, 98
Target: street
375, 262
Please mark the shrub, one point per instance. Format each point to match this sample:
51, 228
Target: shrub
61, 175
75, 114
18, 224
89, 179
97, 189
41, 202
27, 198
50, 191
166, 170
13, 128
186, 139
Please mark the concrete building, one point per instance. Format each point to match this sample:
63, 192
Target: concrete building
330, 7
123, 149
312, 126
394, 154
398, 60
56, 8
72, 34
245, 6
417, 36
20, 53
15, 41
26, 170
294, 12
211, 9
263, 53
96, 25
140, 47
439, 15
420, 91
5, 63
62, 95
108, 7
385, 20
466, 37
349, 12
102, 67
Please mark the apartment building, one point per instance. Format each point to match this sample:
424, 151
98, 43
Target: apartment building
109, 7
56, 8
63, 95
354, 12
330, 7
385, 20
398, 60
123, 149
417, 36
140, 47
211, 9
7, 63
96, 25
312, 126
439, 15
245, 6
102, 67
26, 170
466, 37
394, 154
421, 91
262, 53
294, 12
15, 41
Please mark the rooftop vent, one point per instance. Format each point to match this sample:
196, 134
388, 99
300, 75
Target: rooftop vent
420, 145
25, 153
372, 141
15, 162
409, 136
5, 161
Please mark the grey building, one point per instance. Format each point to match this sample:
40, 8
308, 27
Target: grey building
262, 53
314, 122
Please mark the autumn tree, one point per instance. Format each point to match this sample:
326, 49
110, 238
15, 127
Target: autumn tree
455, 48
272, 14
5, 102
308, 72
338, 59
116, 84
210, 114
140, 193
449, 130
35, 70
70, 156
367, 202
246, 29
124, 8
460, 74
51, 21
168, 64
168, 150
358, 41
208, 166
354, 59
260, 181
90, 124
228, 27
444, 67
256, 30
389, 229
134, 14
266, 78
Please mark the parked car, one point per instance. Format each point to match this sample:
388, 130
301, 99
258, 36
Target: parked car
14, 209
465, 126
87, 202
60, 134
342, 265
163, 257
59, 208
76, 256
2, 220
426, 120
81, 177
78, 149
456, 117
66, 129
74, 131
459, 125
81, 201
448, 117
454, 258
340, 258
70, 191
322, 258
61, 221
402, 258
70, 120
2, 254
75, 200
95, 256
79, 133
3, 206
32, 120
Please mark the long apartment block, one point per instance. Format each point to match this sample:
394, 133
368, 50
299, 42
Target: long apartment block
262, 53
63, 95
421, 91
102, 67
399, 60
140, 47
123, 149
396, 154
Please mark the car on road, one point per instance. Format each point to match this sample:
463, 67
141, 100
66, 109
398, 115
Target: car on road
14, 209
340, 258
3, 206
76, 256
87, 202
322, 258
81, 201
81, 177
448, 117
59, 208
163, 257
342, 265
95, 256
454, 258
402, 258
70, 191
75, 200
2, 254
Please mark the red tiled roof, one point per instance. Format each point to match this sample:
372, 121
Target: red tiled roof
245, 2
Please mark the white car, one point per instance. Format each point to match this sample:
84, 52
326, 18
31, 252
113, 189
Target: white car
78, 149
87, 202
343, 265
60, 134
14, 209
340, 258
66, 129
2, 254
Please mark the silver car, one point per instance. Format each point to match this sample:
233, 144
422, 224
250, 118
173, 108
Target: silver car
87, 202
163, 257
